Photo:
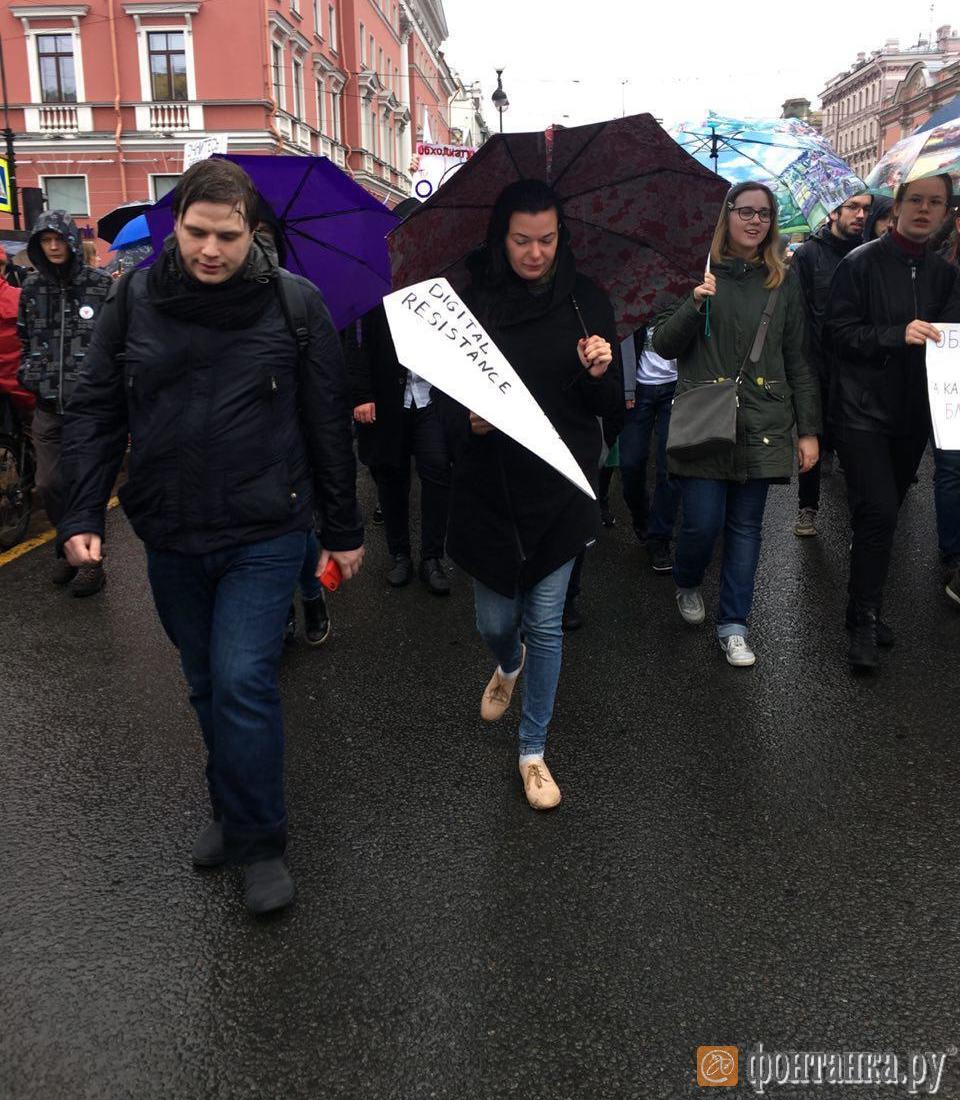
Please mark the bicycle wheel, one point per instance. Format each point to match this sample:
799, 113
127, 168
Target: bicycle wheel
14, 494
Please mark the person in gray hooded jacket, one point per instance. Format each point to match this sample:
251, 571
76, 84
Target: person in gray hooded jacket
59, 307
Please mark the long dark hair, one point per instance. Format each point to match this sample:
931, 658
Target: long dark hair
522, 197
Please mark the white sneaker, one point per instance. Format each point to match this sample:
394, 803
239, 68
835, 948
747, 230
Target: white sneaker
738, 653
691, 607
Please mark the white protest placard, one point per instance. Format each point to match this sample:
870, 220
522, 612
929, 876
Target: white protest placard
943, 387
437, 337
203, 148
434, 165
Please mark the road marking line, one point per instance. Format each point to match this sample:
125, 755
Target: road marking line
31, 544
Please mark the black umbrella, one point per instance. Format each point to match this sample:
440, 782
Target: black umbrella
110, 224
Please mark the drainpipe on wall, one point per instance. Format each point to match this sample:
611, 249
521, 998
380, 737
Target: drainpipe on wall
268, 70
116, 103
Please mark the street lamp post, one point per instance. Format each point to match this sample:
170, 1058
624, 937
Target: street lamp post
11, 155
499, 98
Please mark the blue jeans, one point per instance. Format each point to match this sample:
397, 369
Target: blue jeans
310, 586
534, 615
946, 497
652, 410
225, 613
709, 507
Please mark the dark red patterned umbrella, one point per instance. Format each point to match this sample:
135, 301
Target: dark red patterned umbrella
640, 210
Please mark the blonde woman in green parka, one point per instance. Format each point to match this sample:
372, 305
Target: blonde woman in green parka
726, 491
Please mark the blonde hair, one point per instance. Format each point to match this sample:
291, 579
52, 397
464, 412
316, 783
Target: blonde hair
770, 253
90, 253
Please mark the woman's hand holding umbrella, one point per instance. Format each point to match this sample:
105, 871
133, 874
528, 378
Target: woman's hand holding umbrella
707, 289
595, 354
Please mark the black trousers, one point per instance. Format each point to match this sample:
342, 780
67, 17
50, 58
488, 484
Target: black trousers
809, 483
879, 470
423, 439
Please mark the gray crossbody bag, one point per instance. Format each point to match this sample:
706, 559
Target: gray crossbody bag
703, 420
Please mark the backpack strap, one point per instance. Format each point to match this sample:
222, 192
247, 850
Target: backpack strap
293, 302
119, 293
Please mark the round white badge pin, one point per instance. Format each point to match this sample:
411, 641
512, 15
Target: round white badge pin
86, 312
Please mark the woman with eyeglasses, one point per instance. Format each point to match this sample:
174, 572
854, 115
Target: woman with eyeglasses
886, 300
724, 490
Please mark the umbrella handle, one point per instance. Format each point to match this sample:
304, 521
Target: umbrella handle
706, 327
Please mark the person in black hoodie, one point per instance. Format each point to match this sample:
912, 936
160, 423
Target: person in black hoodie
59, 307
813, 265
237, 438
516, 525
884, 300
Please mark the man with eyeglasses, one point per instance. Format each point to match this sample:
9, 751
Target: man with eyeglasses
814, 265
884, 301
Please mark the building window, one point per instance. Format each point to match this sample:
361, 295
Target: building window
381, 72
58, 81
320, 94
295, 7
67, 193
332, 26
335, 115
162, 185
276, 52
297, 88
317, 25
168, 65
363, 44
373, 51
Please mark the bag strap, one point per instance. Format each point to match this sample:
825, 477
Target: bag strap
294, 306
753, 356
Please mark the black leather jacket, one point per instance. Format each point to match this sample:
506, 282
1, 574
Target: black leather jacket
231, 439
878, 382
814, 264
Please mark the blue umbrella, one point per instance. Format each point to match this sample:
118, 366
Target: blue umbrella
134, 232
334, 232
806, 175
947, 113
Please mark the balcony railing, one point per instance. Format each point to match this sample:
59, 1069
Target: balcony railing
169, 117
58, 119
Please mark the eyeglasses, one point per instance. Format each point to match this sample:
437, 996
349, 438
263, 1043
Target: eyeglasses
918, 200
856, 207
748, 213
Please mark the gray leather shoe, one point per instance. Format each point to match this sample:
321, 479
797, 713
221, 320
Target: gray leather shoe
208, 850
267, 885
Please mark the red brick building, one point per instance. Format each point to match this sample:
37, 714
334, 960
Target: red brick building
105, 94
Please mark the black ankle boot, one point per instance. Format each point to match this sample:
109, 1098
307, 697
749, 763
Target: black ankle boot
862, 653
316, 621
885, 636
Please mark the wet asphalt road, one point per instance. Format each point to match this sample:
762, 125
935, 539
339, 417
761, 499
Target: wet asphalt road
740, 857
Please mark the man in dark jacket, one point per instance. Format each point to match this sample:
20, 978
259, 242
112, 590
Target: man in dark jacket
884, 300
59, 307
237, 435
814, 265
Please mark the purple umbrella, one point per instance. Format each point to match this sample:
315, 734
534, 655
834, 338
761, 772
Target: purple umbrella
334, 231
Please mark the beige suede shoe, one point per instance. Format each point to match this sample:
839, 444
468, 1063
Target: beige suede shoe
538, 785
498, 693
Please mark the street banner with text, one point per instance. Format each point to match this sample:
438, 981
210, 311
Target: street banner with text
437, 337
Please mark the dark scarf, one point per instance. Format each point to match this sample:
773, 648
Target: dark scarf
911, 248
237, 303
513, 300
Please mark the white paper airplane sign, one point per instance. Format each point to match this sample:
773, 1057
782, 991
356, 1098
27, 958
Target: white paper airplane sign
437, 337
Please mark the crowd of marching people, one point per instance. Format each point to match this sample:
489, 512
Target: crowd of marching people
226, 377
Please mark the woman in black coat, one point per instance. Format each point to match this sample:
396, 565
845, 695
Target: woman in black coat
516, 525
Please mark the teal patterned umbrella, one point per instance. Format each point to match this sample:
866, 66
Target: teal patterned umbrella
794, 160
926, 152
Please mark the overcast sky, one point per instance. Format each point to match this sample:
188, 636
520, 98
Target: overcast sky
679, 57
